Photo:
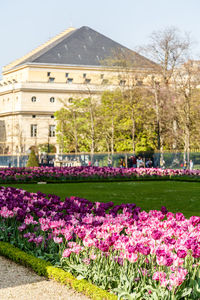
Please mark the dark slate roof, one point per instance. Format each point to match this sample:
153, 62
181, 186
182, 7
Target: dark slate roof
86, 47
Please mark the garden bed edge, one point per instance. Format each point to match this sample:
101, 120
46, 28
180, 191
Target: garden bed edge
44, 268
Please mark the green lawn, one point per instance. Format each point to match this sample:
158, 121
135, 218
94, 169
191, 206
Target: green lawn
176, 196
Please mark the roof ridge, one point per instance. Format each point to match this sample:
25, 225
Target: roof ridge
39, 48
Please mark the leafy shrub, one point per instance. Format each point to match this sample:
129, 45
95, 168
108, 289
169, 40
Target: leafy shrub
32, 160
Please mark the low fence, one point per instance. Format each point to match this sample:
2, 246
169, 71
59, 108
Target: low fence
164, 160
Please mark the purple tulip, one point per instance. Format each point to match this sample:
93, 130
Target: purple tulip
156, 234
181, 253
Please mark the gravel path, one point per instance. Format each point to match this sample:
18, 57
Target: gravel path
20, 283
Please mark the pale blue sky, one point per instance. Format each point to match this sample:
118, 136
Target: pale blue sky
25, 24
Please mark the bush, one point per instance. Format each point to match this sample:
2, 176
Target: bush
32, 160
44, 268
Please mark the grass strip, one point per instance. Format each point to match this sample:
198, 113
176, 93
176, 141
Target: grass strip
136, 178
177, 196
44, 268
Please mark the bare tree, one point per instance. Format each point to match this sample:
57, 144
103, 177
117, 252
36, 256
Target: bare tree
186, 80
133, 70
168, 48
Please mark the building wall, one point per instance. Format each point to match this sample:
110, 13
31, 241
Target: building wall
19, 110
97, 77
15, 131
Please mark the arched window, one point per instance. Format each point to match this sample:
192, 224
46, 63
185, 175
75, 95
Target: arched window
33, 99
52, 99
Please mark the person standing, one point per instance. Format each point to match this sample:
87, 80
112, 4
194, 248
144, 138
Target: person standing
191, 164
109, 162
140, 163
149, 163
134, 161
96, 164
122, 163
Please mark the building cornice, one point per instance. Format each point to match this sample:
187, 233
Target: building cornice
76, 67
55, 87
28, 113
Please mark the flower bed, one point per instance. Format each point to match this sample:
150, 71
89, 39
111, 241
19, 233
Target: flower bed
131, 253
66, 174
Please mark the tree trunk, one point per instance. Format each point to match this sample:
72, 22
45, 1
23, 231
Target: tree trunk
174, 145
187, 128
92, 131
112, 136
133, 132
75, 132
157, 110
158, 125
112, 130
187, 144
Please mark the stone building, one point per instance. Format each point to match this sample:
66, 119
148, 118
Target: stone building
75, 63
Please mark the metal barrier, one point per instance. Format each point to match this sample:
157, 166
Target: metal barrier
164, 160
13, 161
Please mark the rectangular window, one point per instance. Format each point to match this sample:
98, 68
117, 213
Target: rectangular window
139, 83
69, 80
122, 82
104, 81
51, 79
52, 130
33, 130
67, 75
87, 80
84, 75
48, 73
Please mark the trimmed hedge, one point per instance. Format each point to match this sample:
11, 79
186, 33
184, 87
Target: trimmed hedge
32, 160
44, 268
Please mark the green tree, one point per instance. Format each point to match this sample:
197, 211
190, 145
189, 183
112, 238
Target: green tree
110, 110
90, 118
187, 80
32, 160
47, 148
138, 114
69, 122
78, 125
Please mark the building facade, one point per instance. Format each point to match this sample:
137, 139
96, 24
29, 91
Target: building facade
72, 64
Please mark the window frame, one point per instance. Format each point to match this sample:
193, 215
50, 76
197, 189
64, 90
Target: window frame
52, 99
33, 130
33, 99
52, 130
122, 82
87, 81
69, 80
51, 79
